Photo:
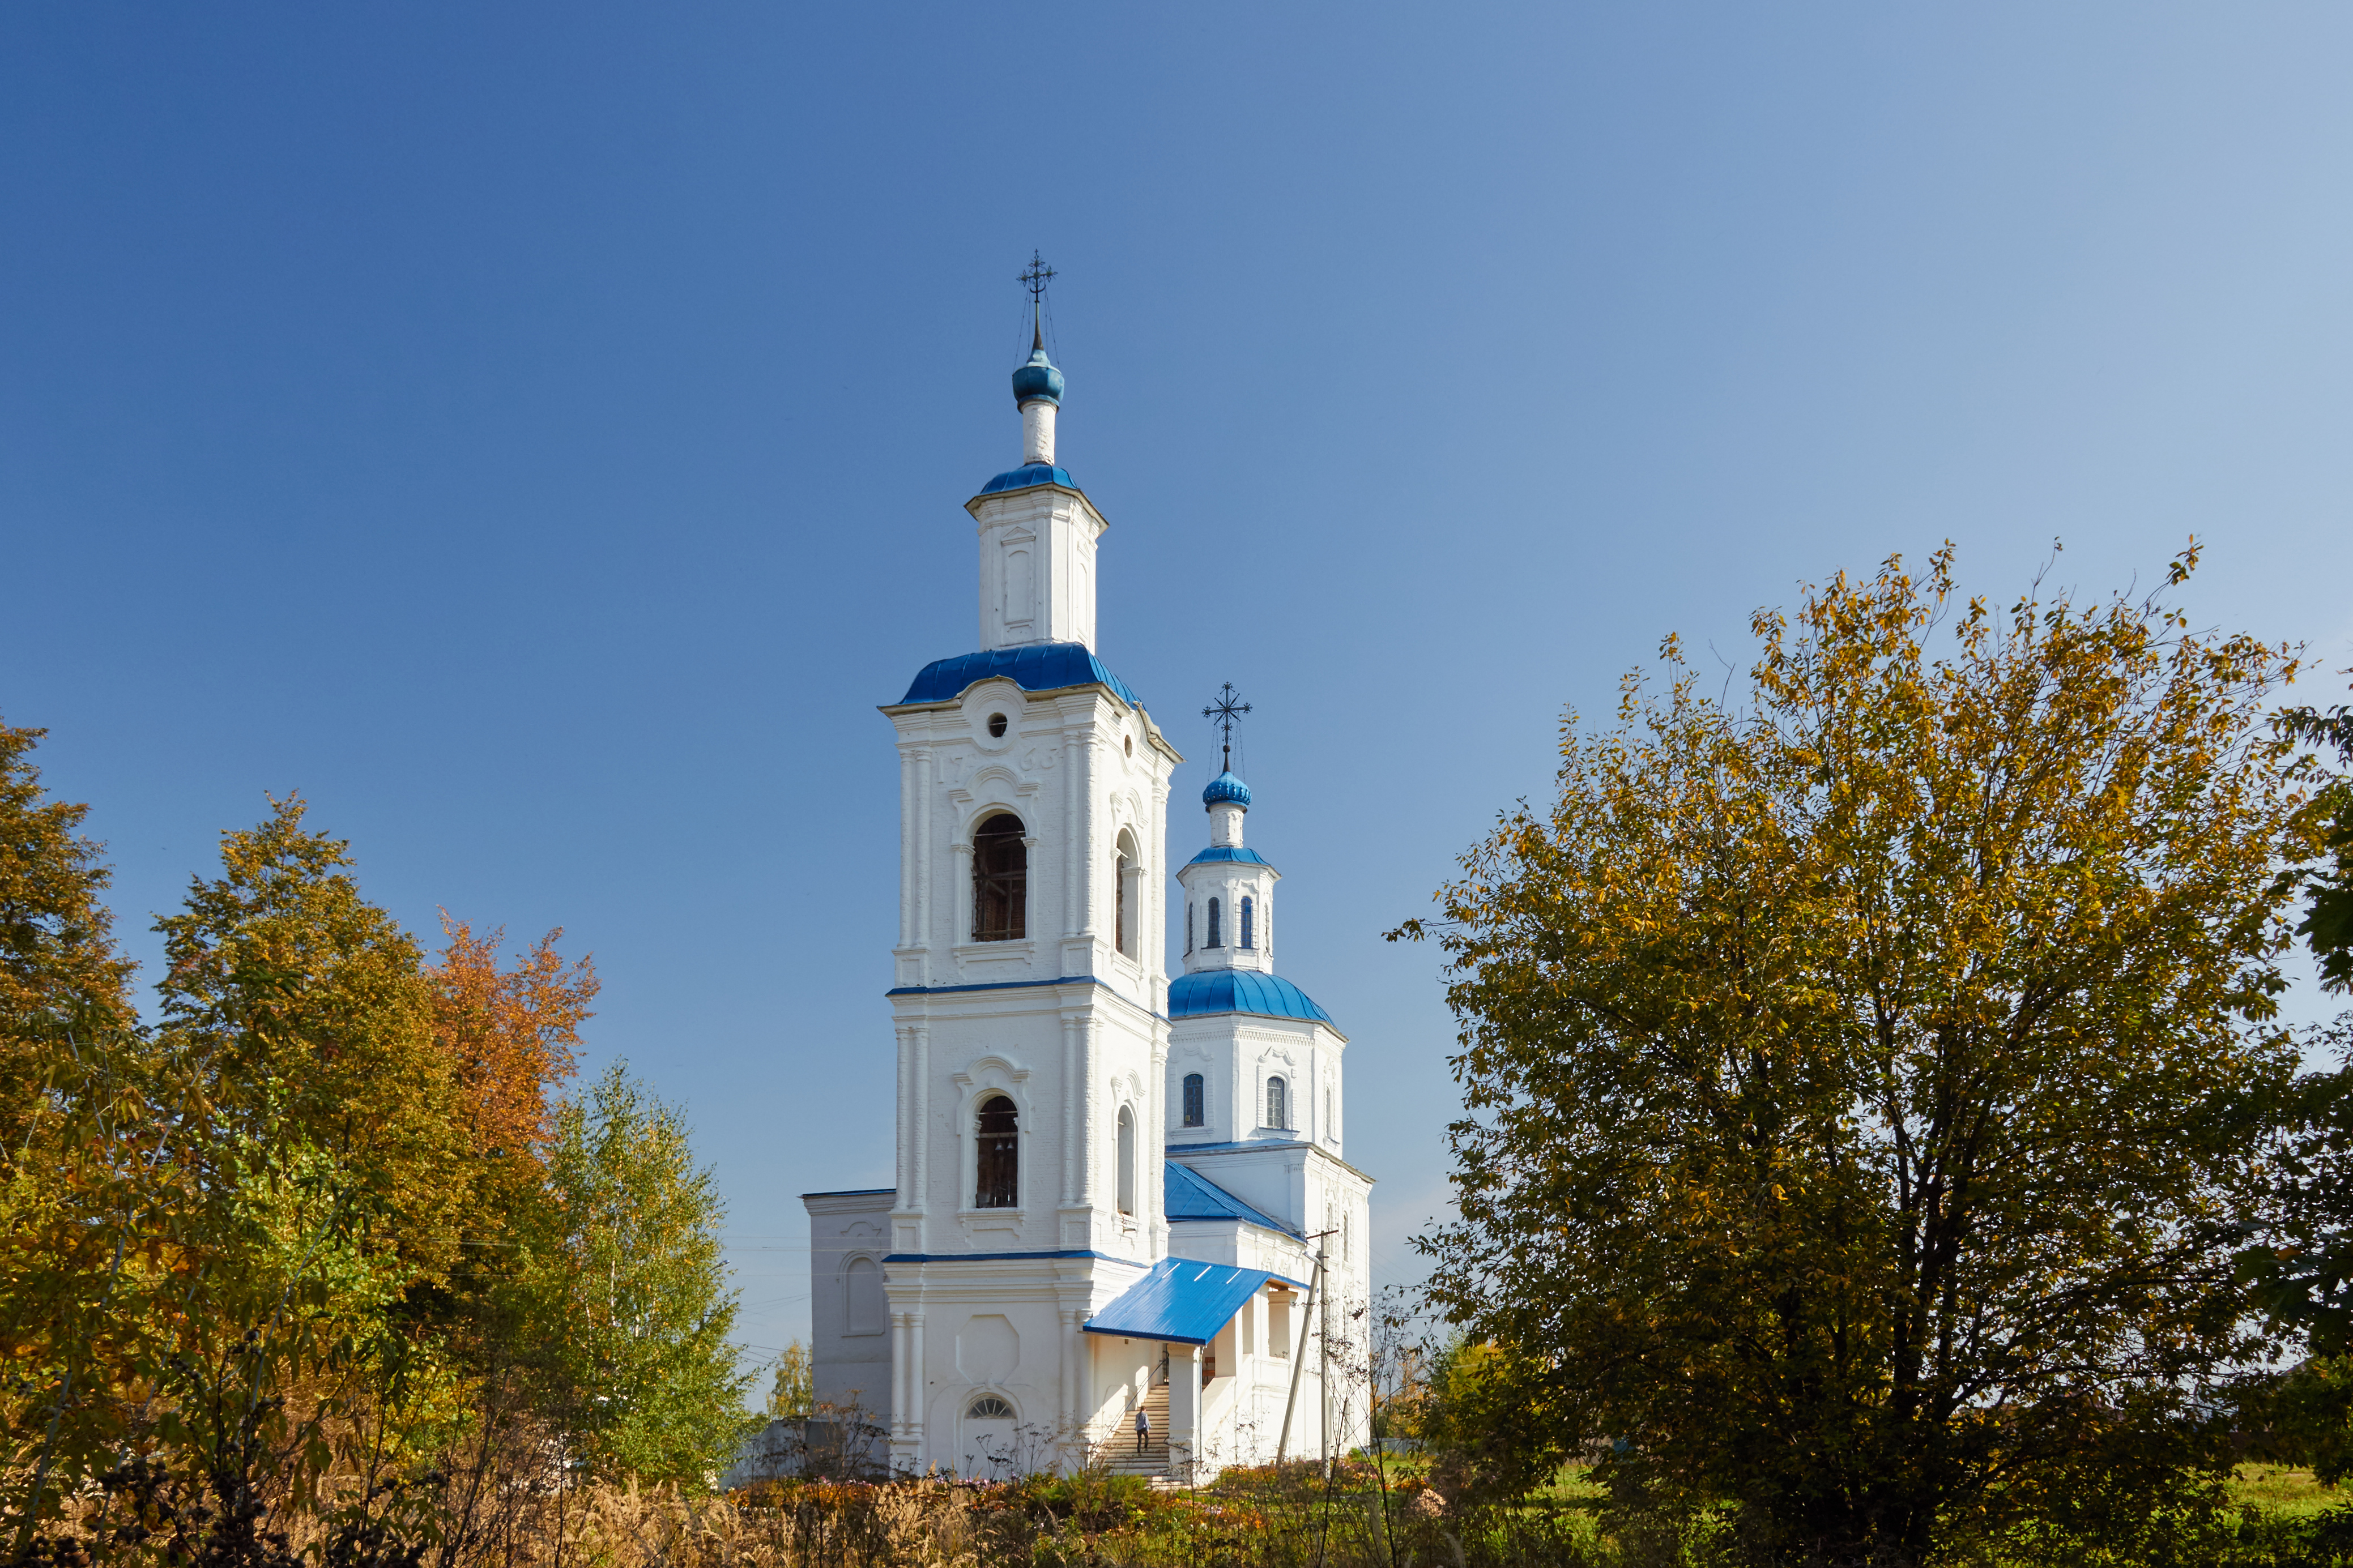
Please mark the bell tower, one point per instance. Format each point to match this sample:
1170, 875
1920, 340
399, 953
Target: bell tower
1028, 979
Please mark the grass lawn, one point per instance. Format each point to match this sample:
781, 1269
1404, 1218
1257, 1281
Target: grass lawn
2288, 1489
2284, 1489
1572, 1489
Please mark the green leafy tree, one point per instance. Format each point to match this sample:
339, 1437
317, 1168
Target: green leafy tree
2327, 925
1485, 1422
2304, 1277
793, 1394
295, 1322
626, 1288
1868, 1083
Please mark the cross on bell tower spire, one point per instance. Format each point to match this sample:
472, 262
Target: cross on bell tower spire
1225, 713
1038, 385
1035, 277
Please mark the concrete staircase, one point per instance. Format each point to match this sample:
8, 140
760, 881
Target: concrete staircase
1124, 1460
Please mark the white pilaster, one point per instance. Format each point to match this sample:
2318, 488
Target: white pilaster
1184, 1408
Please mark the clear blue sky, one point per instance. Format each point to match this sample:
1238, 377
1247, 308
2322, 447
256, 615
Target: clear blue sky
537, 432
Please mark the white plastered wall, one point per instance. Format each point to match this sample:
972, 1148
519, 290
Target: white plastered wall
1036, 566
850, 1341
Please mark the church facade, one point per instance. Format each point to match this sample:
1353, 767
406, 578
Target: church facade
1113, 1187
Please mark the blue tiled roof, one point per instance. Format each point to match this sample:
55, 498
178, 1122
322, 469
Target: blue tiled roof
1241, 991
1027, 475
1181, 1301
1186, 1194
1226, 787
1223, 852
1038, 666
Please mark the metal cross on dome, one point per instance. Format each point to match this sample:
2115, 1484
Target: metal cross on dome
1035, 278
1225, 712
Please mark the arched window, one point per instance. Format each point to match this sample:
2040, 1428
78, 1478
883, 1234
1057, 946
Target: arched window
1000, 881
1126, 1160
1000, 1156
1216, 936
1248, 908
1277, 1103
1122, 870
869, 1308
1188, 930
988, 1435
1192, 1096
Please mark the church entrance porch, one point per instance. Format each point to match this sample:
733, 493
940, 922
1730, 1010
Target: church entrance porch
1199, 1391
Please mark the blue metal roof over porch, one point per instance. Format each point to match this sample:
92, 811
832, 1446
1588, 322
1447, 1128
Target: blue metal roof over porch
1183, 1301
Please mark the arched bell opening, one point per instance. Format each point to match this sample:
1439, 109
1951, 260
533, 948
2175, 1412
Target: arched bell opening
1125, 1154
998, 1177
1000, 880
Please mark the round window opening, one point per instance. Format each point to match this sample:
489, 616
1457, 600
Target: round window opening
988, 1407
1129, 742
997, 726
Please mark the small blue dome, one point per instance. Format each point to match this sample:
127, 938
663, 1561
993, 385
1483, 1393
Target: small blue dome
1241, 991
1038, 382
1028, 474
1225, 786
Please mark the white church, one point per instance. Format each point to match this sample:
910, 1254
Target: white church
1113, 1187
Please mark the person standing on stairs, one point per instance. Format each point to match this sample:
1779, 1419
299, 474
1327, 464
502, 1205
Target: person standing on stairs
1143, 1429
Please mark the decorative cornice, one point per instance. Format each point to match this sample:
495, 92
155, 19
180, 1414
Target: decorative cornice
1025, 984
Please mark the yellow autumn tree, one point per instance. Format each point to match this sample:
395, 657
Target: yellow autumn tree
80, 1133
1866, 1073
61, 976
306, 1011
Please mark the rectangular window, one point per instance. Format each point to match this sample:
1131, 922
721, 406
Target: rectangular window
1278, 1326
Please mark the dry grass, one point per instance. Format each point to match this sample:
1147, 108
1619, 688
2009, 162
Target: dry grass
1267, 1518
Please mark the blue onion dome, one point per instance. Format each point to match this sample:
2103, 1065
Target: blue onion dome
1226, 787
1038, 382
